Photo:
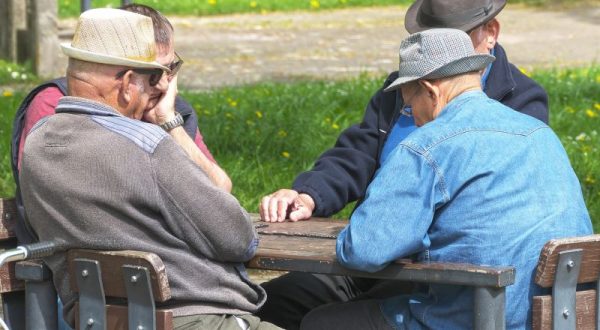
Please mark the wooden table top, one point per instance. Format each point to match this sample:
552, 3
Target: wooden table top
309, 246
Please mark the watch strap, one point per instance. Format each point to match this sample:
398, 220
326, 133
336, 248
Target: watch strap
175, 122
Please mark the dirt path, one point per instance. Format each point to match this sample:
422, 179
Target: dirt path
237, 49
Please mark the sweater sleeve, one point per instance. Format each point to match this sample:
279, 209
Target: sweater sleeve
342, 173
208, 219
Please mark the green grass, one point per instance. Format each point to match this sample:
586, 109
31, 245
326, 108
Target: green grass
263, 135
69, 8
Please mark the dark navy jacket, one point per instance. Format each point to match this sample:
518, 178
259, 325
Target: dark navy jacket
342, 173
24, 234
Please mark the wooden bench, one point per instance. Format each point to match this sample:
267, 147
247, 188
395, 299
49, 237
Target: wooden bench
309, 246
138, 277
563, 264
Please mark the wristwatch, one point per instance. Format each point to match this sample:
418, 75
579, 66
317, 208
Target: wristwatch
175, 122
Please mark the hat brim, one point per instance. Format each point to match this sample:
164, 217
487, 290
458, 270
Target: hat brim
413, 24
463, 65
87, 56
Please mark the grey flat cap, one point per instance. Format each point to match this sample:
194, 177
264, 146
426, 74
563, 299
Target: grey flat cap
437, 53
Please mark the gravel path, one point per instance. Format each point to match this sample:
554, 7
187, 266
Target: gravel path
237, 49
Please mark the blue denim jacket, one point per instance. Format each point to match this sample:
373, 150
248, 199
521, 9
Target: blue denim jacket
481, 184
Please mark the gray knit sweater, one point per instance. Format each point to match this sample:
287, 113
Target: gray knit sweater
95, 179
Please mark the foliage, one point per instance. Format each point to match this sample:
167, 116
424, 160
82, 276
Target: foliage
71, 8
219, 7
263, 135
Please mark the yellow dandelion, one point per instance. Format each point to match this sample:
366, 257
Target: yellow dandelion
597, 106
282, 133
590, 113
590, 179
285, 154
232, 102
7, 93
343, 2
598, 79
253, 4
264, 12
314, 4
258, 114
212, 2
335, 126
525, 72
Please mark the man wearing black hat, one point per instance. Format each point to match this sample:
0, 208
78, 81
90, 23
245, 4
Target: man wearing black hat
342, 173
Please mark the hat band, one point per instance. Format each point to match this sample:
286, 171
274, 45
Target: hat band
455, 20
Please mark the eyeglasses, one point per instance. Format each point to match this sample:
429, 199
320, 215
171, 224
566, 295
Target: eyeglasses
175, 65
155, 74
406, 110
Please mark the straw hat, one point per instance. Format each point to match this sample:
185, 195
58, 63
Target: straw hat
456, 14
115, 37
437, 53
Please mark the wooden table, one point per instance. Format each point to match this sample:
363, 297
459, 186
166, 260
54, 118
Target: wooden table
309, 246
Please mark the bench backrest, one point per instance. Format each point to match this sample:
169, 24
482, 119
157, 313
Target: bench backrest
565, 263
140, 277
8, 240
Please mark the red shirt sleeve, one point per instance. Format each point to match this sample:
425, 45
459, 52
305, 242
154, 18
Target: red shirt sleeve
42, 105
200, 143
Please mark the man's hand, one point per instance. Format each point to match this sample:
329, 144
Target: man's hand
286, 203
164, 110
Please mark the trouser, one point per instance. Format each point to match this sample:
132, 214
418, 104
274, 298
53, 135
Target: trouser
221, 322
290, 297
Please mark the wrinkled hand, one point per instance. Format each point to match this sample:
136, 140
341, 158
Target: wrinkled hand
164, 110
286, 203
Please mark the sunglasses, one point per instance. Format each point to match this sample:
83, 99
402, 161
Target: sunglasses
175, 65
155, 74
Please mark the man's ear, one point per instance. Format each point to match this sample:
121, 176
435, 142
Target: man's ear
126, 88
432, 90
492, 29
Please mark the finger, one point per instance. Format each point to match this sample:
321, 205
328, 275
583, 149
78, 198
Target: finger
273, 209
263, 208
301, 213
282, 208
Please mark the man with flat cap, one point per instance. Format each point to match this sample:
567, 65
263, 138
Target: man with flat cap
469, 202
341, 174
95, 176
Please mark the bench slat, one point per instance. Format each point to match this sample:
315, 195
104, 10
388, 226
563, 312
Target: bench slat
585, 310
112, 276
8, 210
590, 262
117, 319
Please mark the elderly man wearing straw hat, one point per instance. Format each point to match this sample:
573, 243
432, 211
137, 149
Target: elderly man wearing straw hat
468, 201
94, 176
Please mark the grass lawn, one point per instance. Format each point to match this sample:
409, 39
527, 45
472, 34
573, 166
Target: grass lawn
71, 8
265, 134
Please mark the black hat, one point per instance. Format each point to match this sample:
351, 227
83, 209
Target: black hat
457, 14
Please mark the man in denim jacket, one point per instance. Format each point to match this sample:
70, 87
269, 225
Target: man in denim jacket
342, 173
468, 201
